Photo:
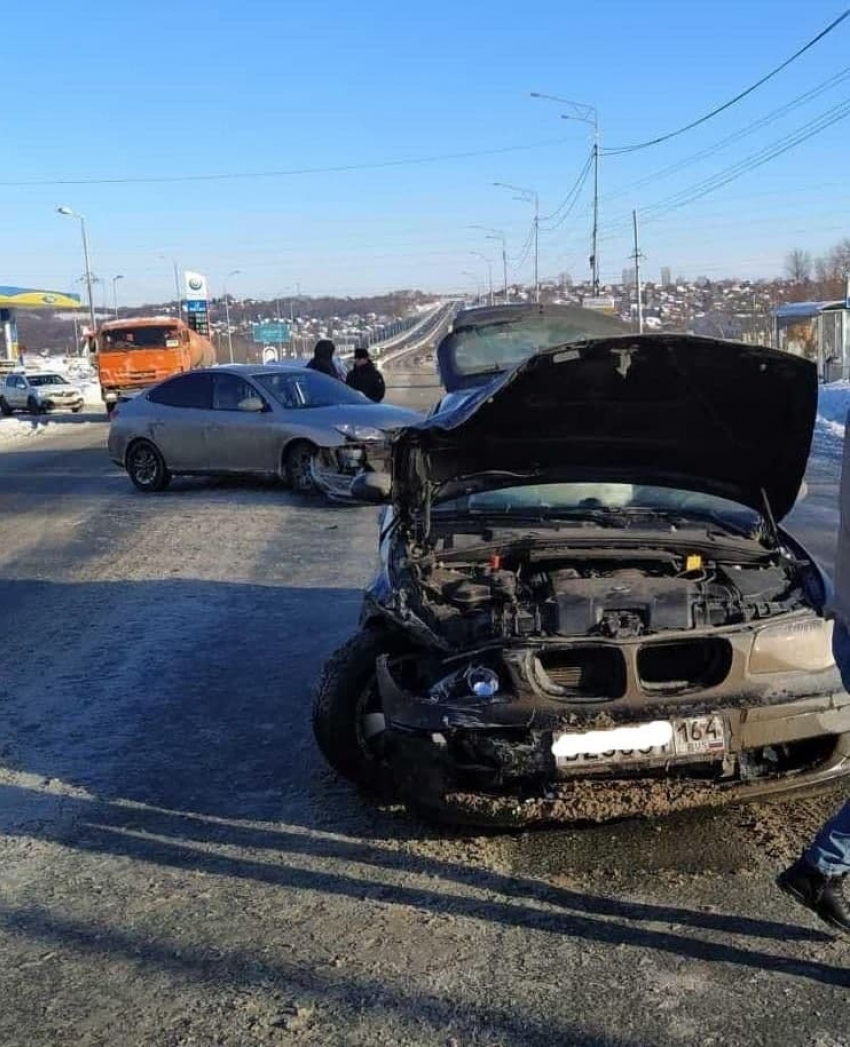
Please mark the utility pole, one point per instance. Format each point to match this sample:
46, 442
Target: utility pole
587, 114
637, 257
536, 248
594, 258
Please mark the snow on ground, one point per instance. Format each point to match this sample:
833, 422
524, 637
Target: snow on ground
80, 372
833, 406
22, 427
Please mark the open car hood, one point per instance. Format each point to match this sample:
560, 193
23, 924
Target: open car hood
699, 414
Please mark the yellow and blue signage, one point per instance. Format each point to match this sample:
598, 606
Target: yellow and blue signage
32, 298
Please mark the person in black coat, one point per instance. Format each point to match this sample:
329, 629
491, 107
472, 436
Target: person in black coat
323, 358
365, 377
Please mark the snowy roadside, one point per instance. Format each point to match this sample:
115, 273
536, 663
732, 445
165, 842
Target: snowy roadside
22, 427
833, 406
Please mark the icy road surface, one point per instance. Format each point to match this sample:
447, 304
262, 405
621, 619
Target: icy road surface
179, 868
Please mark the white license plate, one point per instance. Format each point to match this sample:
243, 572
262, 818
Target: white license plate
659, 741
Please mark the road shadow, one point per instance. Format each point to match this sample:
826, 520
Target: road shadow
171, 839
129, 711
340, 994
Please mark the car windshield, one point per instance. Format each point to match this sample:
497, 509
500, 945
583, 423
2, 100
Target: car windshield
46, 379
148, 336
500, 345
307, 389
609, 500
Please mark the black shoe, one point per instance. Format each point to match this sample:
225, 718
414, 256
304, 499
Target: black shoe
822, 894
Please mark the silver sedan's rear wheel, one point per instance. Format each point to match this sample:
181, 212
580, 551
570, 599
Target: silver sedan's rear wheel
146, 467
298, 467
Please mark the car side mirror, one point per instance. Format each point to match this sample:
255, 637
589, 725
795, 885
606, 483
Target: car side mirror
371, 487
252, 403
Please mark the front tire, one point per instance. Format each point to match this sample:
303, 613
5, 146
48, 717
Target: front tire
5, 409
348, 720
297, 467
76, 410
146, 467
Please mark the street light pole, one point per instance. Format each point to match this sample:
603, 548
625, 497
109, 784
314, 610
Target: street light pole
68, 212
476, 281
530, 196
478, 254
115, 280
497, 234
587, 114
233, 272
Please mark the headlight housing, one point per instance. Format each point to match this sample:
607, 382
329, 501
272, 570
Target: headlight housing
803, 646
359, 432
473, 681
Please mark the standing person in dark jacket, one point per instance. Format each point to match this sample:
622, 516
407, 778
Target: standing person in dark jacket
323, 358
365, 377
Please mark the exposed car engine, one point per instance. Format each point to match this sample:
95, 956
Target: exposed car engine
593, 594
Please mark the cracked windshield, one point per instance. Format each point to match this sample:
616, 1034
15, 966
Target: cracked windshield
425, 525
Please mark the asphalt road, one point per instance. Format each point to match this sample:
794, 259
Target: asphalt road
179, 868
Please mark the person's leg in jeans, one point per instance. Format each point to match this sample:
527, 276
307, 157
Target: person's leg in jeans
830, 850
816, 879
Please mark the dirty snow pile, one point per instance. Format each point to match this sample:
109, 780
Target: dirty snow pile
833, 406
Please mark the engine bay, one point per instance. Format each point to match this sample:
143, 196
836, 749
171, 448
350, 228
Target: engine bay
603, 592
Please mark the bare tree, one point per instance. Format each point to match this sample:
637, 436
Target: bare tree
798, 266
832, 270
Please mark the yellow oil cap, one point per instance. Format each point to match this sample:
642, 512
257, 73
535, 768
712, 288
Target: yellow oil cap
693, 562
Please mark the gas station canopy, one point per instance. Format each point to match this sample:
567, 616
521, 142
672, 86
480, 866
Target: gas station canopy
33, 298
12, 298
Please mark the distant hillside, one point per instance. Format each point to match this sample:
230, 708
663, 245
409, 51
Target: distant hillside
49, 331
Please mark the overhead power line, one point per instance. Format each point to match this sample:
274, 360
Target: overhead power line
729, 174
245, 175
519, 261
615, 150
576, 188
748, 129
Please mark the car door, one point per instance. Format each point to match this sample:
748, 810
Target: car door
18, 391
238, 440
179, 413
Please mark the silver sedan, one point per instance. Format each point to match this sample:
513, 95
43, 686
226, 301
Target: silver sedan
309, 429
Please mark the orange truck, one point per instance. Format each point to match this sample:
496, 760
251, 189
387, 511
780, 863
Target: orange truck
137, 352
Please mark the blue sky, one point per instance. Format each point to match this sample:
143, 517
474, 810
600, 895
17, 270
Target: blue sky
178, 88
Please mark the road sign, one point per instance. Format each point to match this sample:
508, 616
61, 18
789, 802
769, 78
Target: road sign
196, 305
269, 334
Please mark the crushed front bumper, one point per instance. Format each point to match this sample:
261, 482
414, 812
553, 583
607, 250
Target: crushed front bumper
494, 764
333, 469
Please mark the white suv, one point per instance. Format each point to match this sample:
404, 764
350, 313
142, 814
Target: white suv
38, 393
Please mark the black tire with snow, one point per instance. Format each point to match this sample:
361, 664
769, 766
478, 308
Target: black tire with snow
346, 712
296, 467
5, 409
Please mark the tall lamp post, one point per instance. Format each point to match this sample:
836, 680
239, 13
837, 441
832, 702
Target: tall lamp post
497, 234
587, 114
476, 281
177, 289
478, 254
233, 272
69, 213
115, 280
530, 196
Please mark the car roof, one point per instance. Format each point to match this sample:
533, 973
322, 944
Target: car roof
261, 369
